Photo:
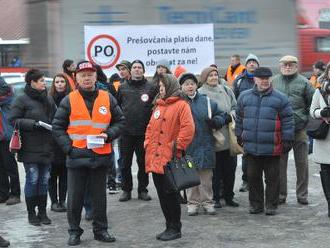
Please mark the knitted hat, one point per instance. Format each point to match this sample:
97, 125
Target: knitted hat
139, 62
125, 63
205, 73
187, 75
179, 69
252, 57
164, 63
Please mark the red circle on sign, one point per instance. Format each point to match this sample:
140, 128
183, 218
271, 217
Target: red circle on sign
103, 36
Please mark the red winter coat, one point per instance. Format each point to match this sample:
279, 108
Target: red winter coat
171, 120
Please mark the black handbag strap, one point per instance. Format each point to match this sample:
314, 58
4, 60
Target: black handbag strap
175, 150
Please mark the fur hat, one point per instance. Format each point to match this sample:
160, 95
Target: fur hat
187, 75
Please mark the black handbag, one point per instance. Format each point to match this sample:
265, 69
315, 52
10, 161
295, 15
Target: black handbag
181, 173
317, 129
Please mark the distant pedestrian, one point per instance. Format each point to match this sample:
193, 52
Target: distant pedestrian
163, 67
318, 70
171, 122
69, 67
27, 111
234, 69
264, 126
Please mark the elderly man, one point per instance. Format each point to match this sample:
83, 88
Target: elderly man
264, 126
299, 91
84, 115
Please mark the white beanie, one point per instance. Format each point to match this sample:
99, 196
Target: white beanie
251, 57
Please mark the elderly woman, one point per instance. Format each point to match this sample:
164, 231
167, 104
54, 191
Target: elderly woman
36, 153
202, 147
171, 122
320, 109
225, 167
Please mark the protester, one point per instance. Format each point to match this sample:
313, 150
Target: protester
299, 91
242, 83
225, 166
264, 126
318, 70
69, 67
170, 123
58, 175
10, 190
234, 69
27, 111
135, 97
201, 148
87, 111
320, 110
163, 67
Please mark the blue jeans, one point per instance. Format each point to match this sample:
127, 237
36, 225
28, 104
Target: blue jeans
36, 179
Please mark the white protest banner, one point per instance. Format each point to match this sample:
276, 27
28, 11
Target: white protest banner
189, 45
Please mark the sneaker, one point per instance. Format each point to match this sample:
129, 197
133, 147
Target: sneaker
244, 187
12, 200
192, 210
113, 190
209, 209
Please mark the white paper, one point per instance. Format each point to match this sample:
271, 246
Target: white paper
45, 125
94, 141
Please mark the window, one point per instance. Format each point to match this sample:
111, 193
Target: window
323, 44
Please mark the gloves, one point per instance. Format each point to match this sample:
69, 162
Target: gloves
286, 146
228, 119
211, 123
240, 141
325, 112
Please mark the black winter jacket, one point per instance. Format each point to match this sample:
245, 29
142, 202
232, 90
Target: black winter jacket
77, 157
242, 83
26, 110
135, 99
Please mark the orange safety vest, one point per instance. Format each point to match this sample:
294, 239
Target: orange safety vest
231, 76
71, 81
81, 124
116, 84
314, 82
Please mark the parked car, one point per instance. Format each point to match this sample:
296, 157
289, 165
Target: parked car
17, 81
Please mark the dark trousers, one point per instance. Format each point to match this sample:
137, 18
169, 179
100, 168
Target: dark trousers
169, 201
128, 145
77, 183
111, 181
57, 185
9, 178
224, 171
244, 168
270, 166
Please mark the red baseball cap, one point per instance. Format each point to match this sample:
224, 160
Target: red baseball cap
85, 66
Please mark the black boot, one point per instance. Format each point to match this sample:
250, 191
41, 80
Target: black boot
31, 203
325, 179
173, 232
160, 234
42, 215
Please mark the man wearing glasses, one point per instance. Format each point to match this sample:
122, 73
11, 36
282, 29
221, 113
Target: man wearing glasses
299, 91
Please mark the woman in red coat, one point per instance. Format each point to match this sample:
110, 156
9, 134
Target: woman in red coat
171, 121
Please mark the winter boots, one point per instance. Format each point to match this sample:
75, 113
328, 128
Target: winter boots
325, 179
41, 202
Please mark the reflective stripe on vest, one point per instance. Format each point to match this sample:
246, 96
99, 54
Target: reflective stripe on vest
81, 124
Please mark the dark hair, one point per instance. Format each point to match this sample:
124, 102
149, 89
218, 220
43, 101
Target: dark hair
65, 66
324, 77
52, 90
100, 76
33, 75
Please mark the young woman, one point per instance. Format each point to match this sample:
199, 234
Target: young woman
58, 175
320, 109
26, 112
171, 122
69, 68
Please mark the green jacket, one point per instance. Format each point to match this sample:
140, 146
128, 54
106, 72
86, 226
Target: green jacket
300, 94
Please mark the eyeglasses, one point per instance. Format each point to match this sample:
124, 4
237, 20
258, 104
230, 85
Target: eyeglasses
290, 65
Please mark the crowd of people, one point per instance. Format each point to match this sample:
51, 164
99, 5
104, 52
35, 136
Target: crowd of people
92, 118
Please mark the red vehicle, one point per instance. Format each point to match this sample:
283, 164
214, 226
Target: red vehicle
314, 44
